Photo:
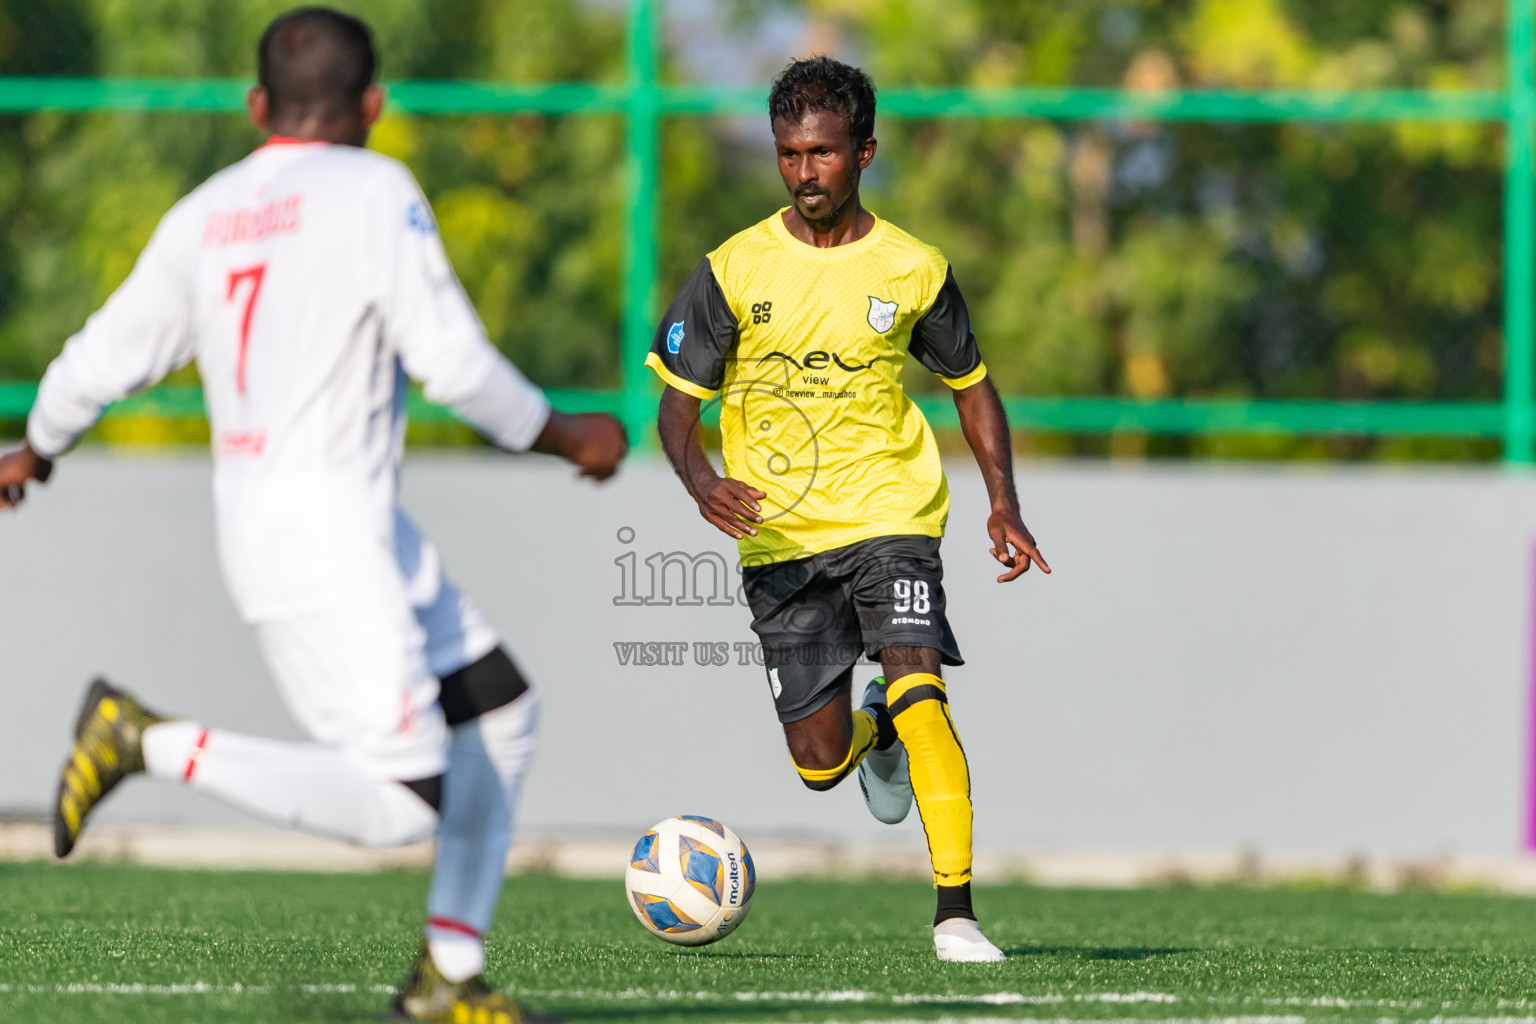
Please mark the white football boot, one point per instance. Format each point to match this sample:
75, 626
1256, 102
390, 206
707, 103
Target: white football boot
883, 773
959, 940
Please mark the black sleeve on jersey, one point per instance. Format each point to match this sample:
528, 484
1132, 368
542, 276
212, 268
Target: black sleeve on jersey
708, 329
942, 338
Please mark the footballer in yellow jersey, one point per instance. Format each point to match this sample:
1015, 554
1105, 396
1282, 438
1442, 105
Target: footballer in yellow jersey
799, 327
804, 347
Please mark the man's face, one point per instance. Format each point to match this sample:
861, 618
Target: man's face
820, 165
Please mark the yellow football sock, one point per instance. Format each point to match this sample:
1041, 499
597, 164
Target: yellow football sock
941, 780
865, 733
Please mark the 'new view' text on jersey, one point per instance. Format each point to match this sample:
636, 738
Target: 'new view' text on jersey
309, 282
804, 347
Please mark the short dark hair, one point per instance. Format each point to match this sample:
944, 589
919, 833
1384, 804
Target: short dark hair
315, 60
821, 83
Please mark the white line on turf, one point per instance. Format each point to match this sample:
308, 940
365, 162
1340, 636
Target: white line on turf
624, 995
856, 996
196, 988
839, 996
1022, 998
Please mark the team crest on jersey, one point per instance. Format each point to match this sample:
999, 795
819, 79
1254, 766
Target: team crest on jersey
882, 314
675, 337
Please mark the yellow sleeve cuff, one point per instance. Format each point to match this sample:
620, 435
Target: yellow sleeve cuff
961, 383
687, 387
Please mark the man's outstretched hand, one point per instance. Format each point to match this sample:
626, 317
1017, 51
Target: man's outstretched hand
18, 468
1008, 531
594, 442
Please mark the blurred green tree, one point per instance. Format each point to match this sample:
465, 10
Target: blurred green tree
530, 206
1290, 261
1145, 260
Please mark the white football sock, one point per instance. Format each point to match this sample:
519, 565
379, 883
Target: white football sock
487, 758
458, 951
303, 786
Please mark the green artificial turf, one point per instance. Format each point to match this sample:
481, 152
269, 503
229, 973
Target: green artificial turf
104, 943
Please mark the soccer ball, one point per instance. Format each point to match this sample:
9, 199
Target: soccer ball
690, 880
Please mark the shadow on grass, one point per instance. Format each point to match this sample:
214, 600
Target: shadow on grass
722, 955
316, 1008
1102, 952
301, 1006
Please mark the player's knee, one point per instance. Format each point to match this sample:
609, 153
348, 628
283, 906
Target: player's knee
418, 829
821, 749
820, 767
819, 783
430, 790
400, 817
397, 832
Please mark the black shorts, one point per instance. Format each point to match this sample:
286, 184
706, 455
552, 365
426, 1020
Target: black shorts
817, 616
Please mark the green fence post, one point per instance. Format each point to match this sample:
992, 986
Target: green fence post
1520, 237
644, 125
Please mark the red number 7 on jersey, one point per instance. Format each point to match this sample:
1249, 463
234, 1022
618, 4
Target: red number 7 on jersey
253, 275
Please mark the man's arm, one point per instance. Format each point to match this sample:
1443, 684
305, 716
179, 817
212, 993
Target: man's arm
689, 354
942, 340
986, 430
443, 344
17, 469
593, 441
139, 336
728, 505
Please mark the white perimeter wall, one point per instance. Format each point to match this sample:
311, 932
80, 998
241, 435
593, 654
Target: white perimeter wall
1319, 660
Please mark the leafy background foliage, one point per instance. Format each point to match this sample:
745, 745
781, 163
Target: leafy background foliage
1151, 261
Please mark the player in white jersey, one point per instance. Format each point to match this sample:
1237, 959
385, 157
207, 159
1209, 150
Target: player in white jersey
309, 283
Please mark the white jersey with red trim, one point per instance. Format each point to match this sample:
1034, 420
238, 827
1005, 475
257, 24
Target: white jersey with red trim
309, 283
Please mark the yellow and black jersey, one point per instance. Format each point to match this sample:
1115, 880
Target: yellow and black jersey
804, 348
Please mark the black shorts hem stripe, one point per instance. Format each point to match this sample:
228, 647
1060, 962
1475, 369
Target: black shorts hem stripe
949, 654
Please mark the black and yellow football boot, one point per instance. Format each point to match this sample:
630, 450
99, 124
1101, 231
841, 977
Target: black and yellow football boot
428, 996
108, 748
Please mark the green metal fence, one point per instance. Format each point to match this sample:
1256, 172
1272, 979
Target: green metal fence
643, 101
